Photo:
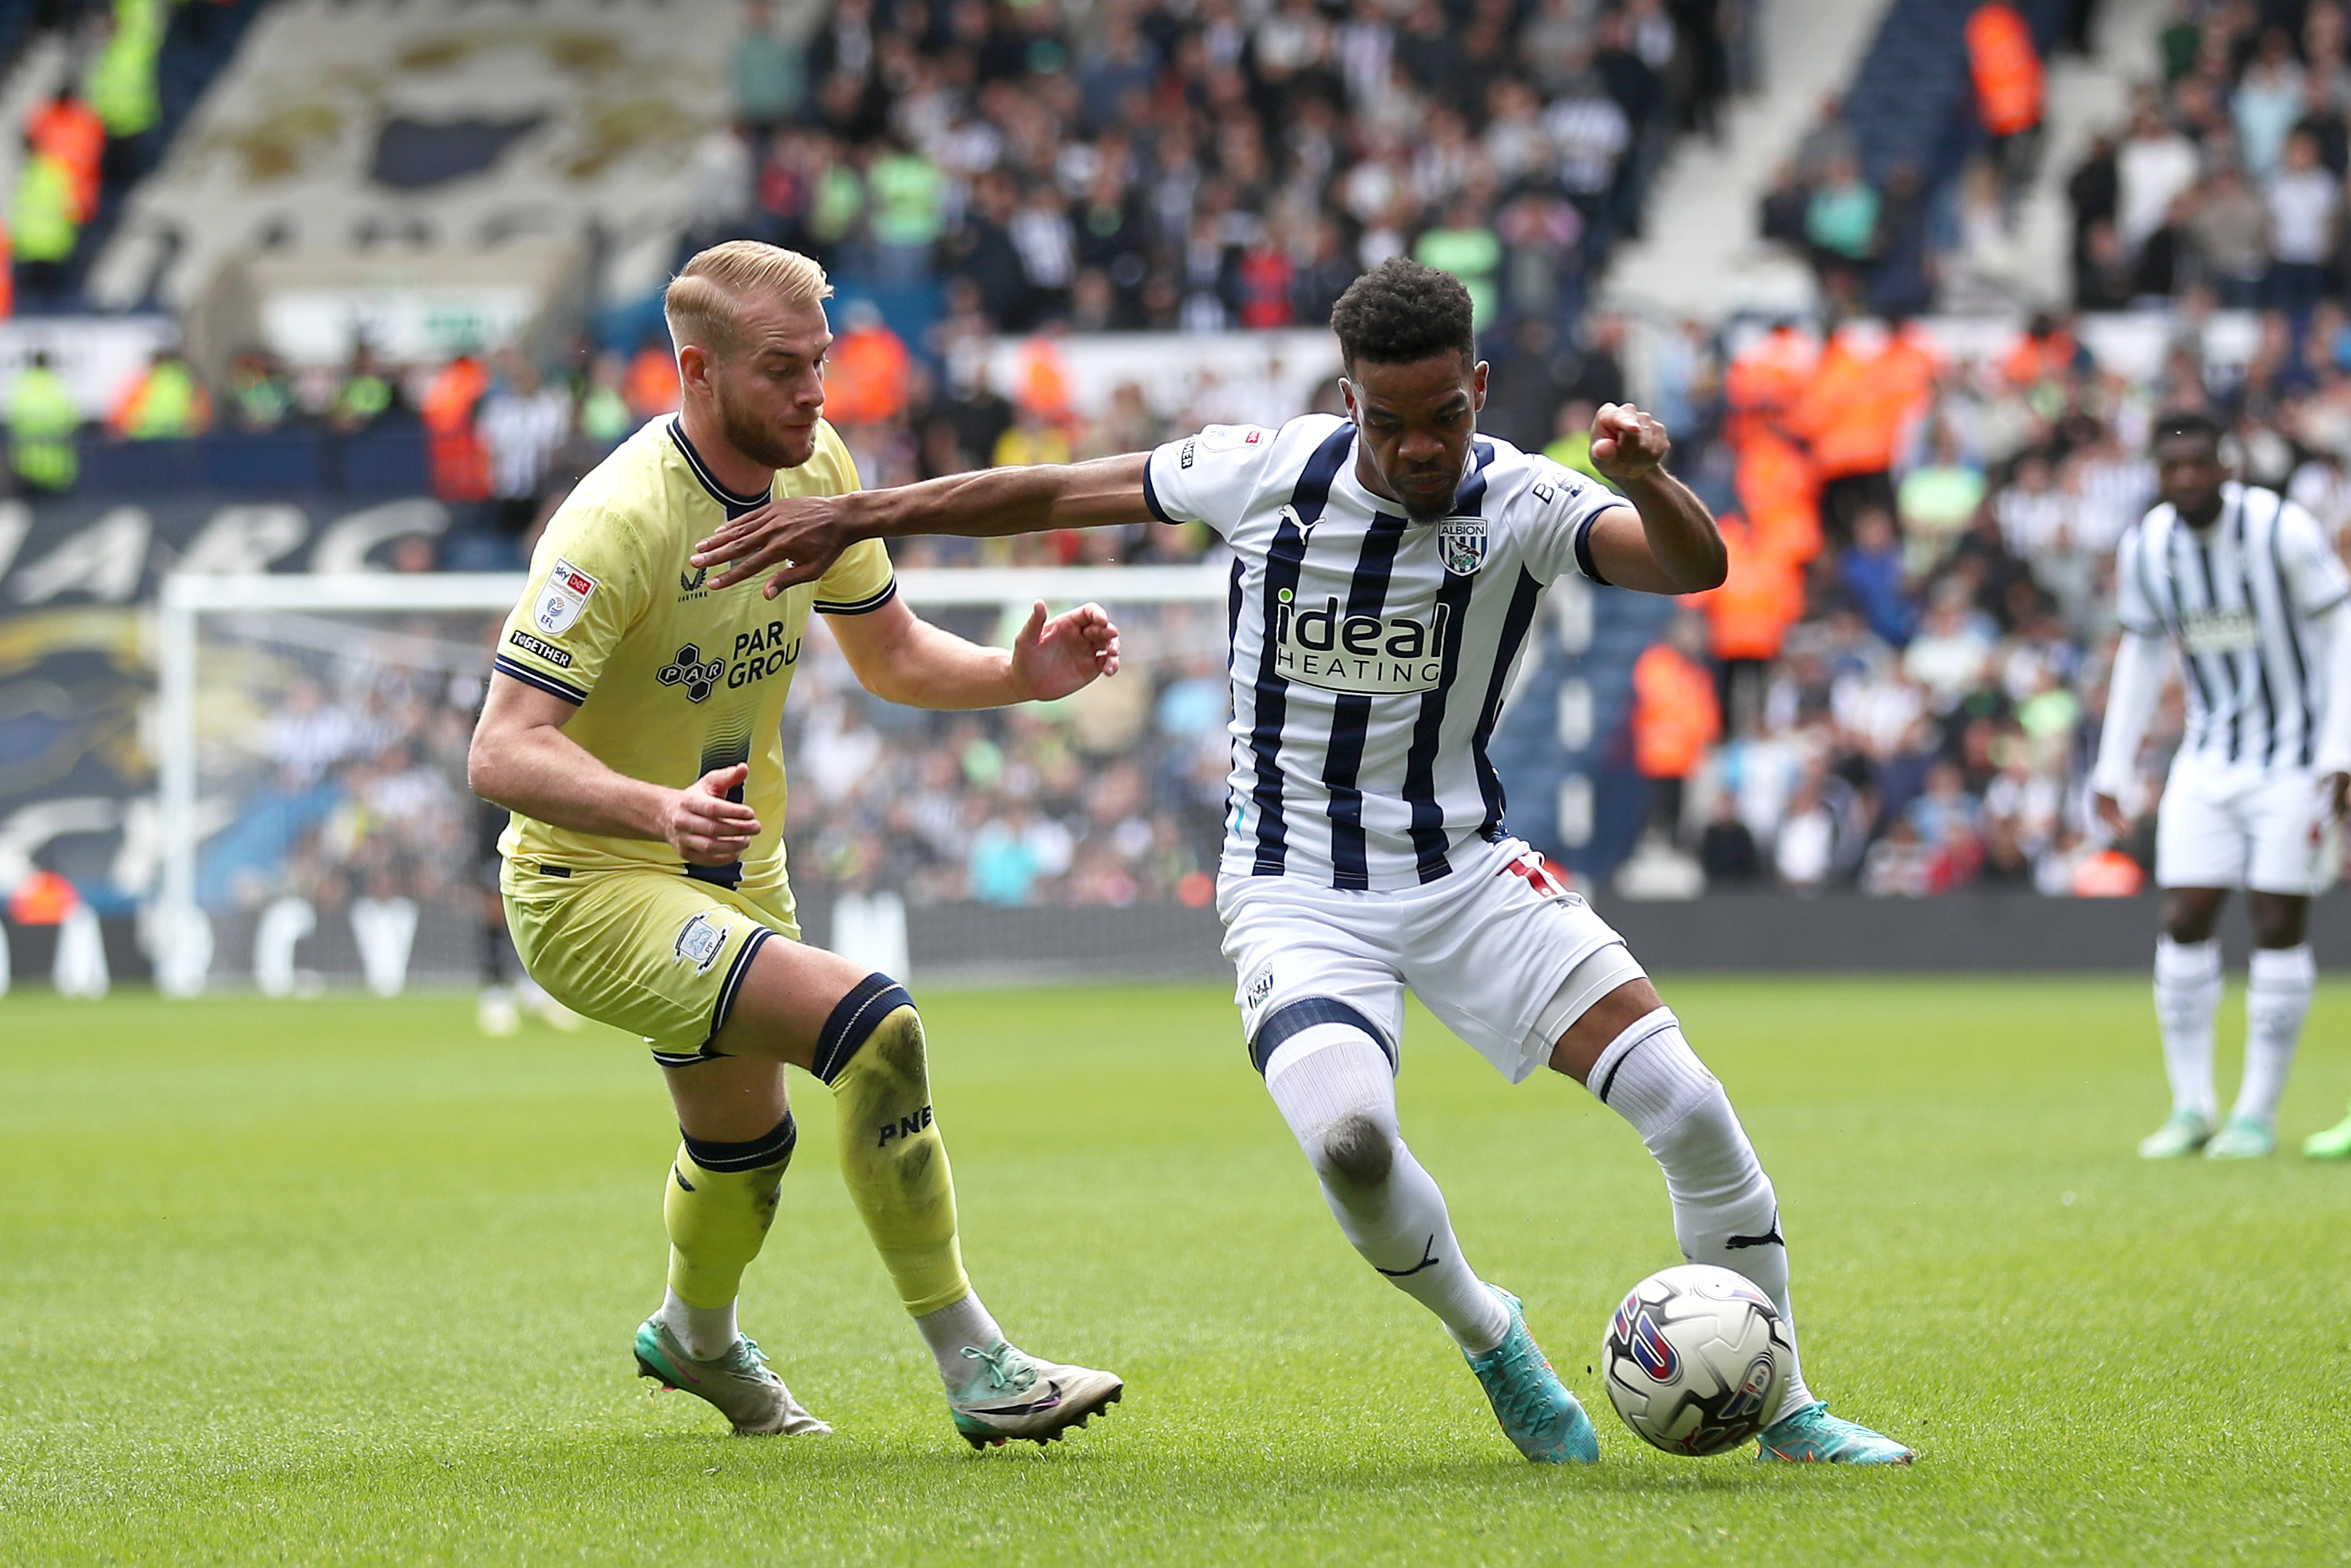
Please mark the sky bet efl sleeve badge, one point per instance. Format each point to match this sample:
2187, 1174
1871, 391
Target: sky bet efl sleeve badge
556, 609
1461, 542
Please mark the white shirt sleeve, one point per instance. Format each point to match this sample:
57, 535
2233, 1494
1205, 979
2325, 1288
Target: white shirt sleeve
2132, 689
2315, 576
2332, 628
1212, 477
1562, 504
2133, 608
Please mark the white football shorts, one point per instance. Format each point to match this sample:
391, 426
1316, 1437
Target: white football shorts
2257, 828
1488, 950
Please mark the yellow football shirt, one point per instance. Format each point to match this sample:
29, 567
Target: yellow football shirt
671, 680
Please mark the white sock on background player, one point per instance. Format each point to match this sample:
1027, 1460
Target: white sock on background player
2276, 1000
1332, 1084
1725, 1212
706, 1332
2187, 996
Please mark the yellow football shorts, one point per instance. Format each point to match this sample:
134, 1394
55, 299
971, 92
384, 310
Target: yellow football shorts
654, 953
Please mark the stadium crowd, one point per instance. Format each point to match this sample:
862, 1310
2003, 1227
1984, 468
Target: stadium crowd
1899, 686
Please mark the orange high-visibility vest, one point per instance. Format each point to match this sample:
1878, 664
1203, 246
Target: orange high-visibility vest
2006, 68
1763, 597
1674, 714
865, 377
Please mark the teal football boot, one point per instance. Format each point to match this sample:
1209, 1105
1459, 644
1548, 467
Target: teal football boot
1813, 1437
738, 1384
2240, 1138
1535, 1408
1012, 1395
2182, 1133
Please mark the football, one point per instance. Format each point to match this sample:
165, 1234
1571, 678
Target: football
1696, 1359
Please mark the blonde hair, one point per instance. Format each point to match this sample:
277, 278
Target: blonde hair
704, 302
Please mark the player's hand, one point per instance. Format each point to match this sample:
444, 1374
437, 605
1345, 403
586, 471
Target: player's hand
1628, 444
2338, 794
704, 826
1053, 658
2110, 813
802, 533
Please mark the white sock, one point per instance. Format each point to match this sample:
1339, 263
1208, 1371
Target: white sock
2275, 1002
706, 1332
1725, 1212
953, 1329
1333, 1086
2187, 995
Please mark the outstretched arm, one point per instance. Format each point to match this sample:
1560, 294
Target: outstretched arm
901, 658
1666, 541
802, 535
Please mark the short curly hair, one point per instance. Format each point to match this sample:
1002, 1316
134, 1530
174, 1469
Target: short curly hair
2193, 424
1401, 311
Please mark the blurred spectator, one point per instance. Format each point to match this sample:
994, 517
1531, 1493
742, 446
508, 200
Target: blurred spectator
867, 368
2006, 70
123, 89
770, 84
1466, 246
366, 395
69, 131
522, 424
165, 401
1675, 719
1873, 571
2266, 103
2091, 191
604, 415
43, 419
1570, 443
2232, 232
650, 385
2154, 166
2304, 204
259, 396
1841, 226
453, 447
1750, 615
1727, 851
42, 229
909, 213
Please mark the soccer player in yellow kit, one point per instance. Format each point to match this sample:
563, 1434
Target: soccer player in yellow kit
632, 729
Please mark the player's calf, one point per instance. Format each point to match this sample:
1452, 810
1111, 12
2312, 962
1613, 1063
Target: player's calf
1725, 1211
872, 1054
1334, 1084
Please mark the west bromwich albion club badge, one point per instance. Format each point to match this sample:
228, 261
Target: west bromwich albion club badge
1461, 542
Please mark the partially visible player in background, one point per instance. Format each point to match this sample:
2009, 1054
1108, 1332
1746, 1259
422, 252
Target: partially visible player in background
1388, 569
506, 989
632, 729
2245, 586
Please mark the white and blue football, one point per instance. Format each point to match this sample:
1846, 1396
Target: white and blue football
1696, 1359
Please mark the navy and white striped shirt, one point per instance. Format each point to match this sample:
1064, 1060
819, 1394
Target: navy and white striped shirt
2237, 599
1370, 655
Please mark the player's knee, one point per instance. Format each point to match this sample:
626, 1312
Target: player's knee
2277, 922
877, 1015
1357, 1150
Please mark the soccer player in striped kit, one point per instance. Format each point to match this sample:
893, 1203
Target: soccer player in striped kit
1386, 572
2245, 586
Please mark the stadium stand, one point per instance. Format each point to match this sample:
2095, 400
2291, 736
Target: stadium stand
1064, 233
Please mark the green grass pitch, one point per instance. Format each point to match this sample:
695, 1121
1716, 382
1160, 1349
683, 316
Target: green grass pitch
339, 1281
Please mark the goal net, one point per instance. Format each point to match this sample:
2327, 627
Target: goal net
318, 830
